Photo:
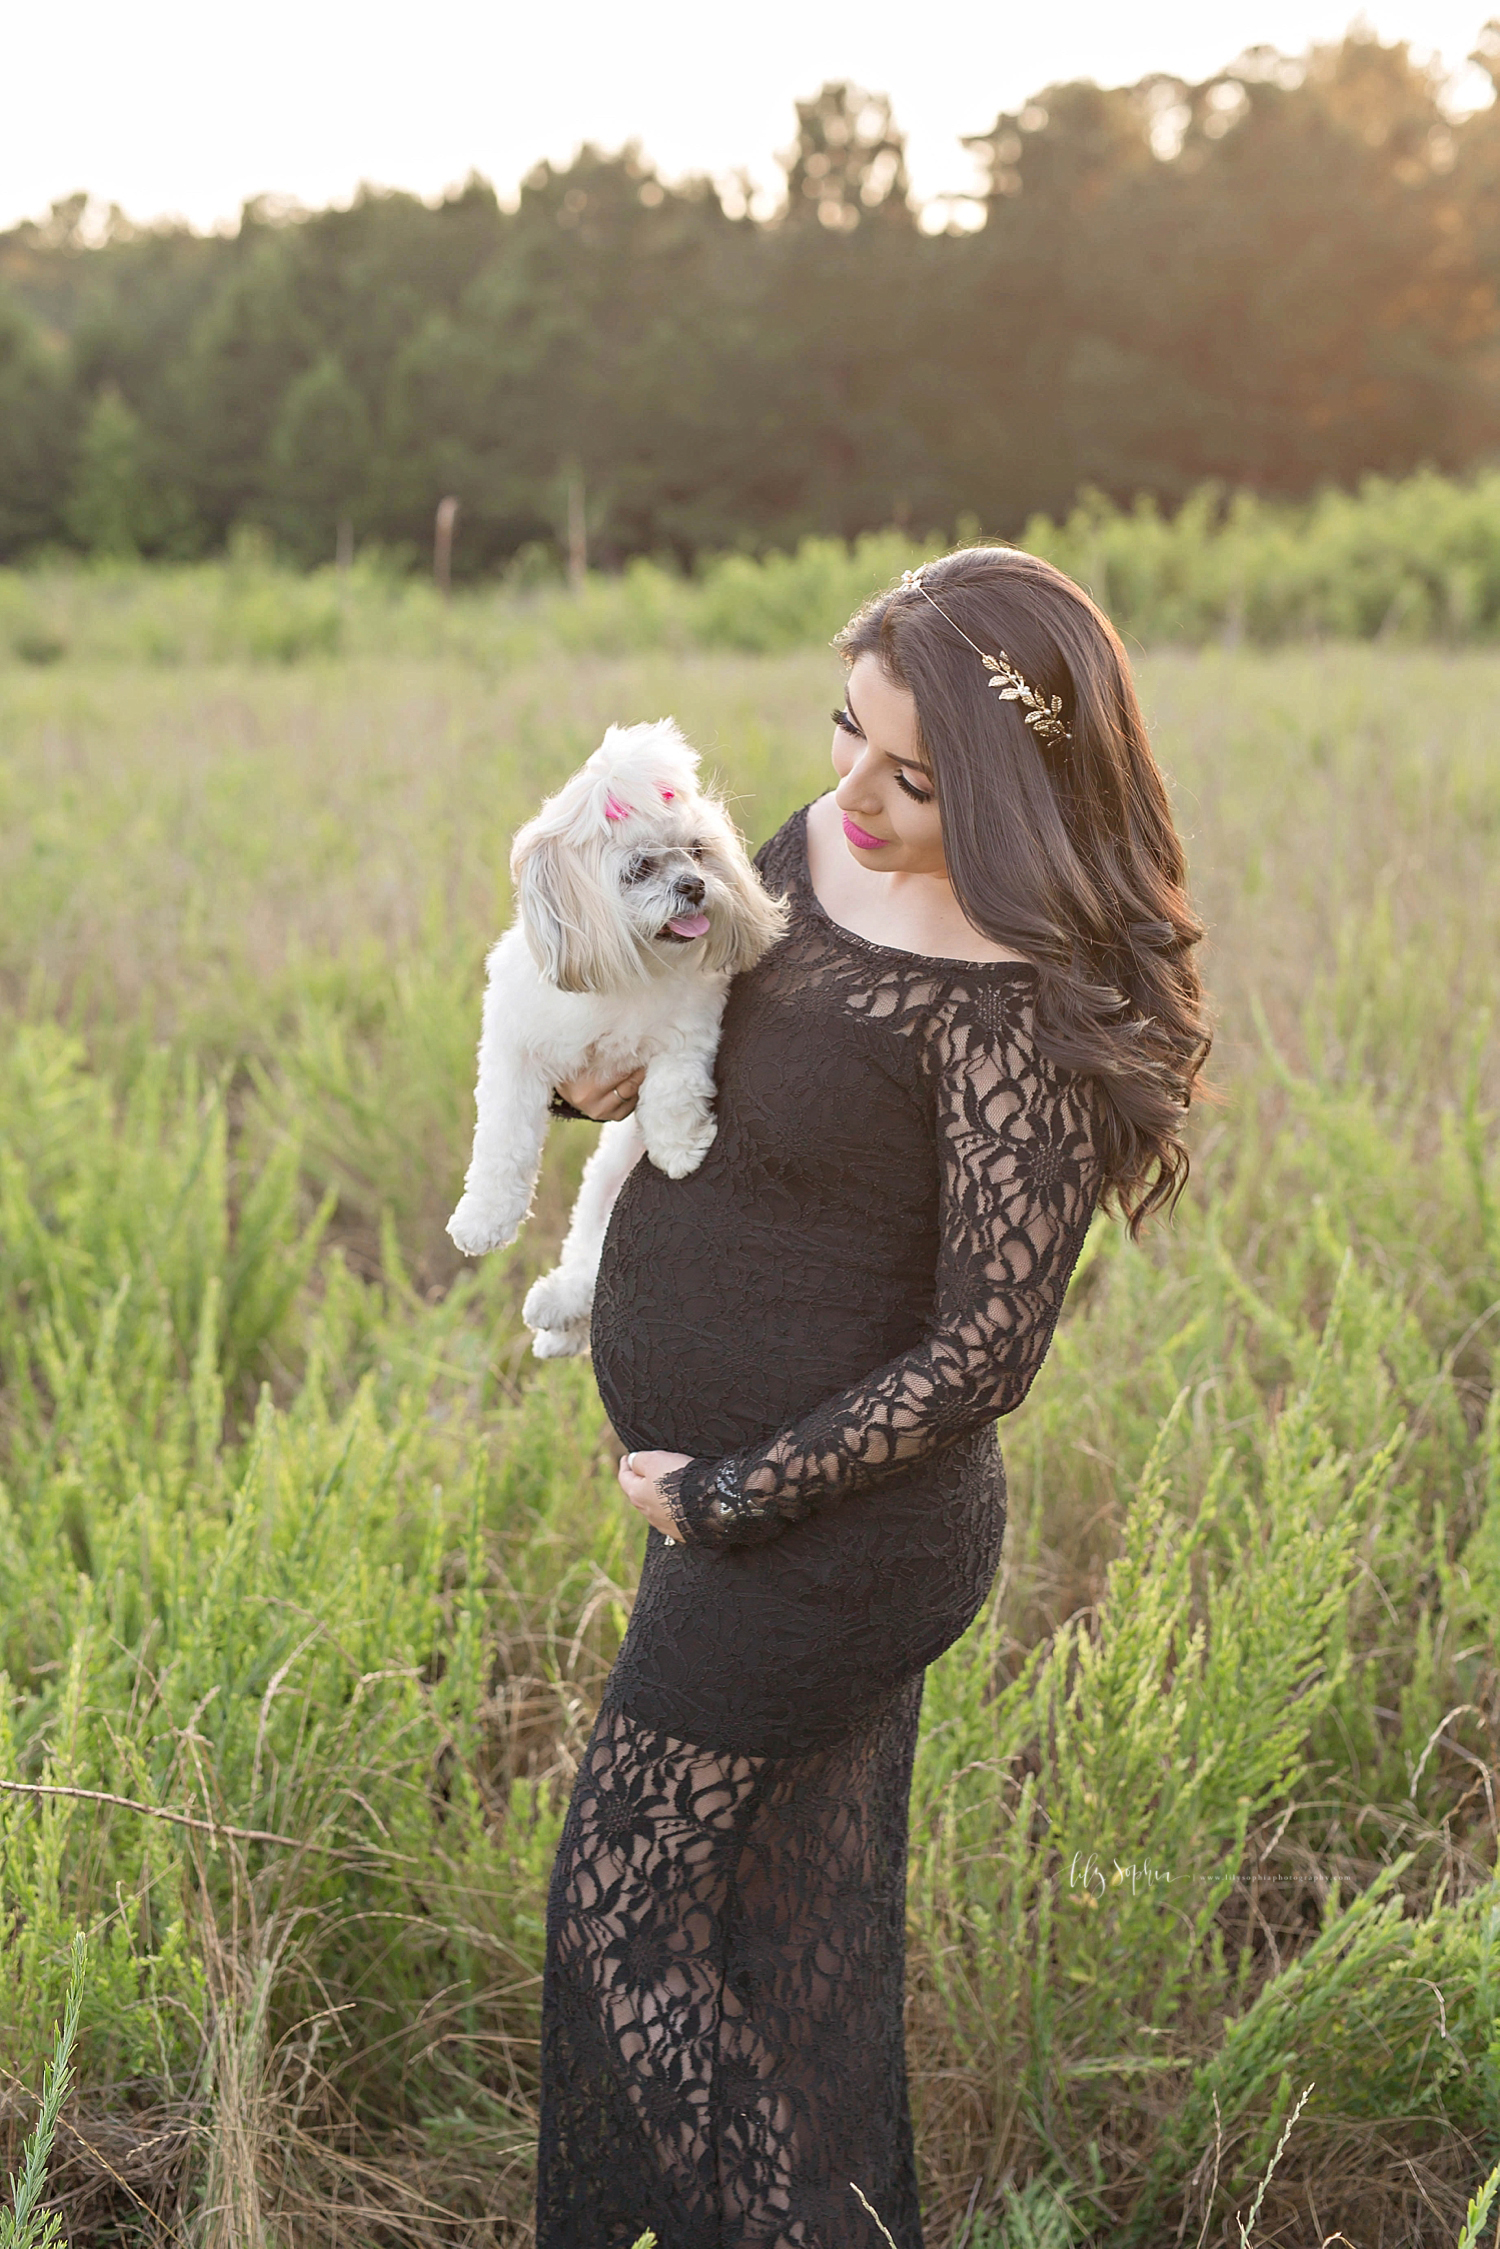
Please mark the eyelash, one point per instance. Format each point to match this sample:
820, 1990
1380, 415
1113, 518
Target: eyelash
842, 720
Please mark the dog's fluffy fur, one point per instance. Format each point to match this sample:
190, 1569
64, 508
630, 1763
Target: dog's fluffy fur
592, 974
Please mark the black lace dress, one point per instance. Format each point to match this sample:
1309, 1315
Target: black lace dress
829, 1314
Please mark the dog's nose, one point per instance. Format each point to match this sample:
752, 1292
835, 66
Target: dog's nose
691, 888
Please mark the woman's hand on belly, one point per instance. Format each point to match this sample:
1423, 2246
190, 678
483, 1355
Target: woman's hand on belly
640, 1474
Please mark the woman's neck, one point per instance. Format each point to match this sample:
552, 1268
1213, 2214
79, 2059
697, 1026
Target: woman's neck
915, 913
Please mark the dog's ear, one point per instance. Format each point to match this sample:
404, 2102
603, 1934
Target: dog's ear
551, 911
755, 919
572, 923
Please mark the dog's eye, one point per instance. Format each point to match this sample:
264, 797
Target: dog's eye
698, 850
637, 870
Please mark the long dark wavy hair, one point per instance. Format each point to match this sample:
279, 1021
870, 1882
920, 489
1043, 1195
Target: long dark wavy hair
1063, 851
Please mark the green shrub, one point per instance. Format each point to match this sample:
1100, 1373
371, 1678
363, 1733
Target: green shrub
1398, 562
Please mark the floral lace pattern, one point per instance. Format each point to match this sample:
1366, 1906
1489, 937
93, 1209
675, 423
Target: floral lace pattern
724, 1969
828, 1315
1018, 1185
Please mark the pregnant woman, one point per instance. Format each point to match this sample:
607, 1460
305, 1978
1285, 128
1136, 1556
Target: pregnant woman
984, 1016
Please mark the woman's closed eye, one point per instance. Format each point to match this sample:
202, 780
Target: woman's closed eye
847, 723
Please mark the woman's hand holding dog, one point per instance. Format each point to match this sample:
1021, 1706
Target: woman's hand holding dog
604, 1095
640, 1474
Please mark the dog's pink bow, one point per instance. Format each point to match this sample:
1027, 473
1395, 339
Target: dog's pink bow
613, 809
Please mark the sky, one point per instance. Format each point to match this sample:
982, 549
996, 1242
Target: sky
174, 108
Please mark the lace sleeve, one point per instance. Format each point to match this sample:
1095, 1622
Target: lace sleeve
1019, 1181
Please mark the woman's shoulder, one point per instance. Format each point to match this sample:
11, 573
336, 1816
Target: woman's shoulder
777, 857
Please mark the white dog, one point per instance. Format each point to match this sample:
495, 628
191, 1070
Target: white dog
636, 905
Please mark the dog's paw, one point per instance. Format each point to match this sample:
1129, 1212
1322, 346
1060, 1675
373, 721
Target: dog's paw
476, 1227
678, 1153
561, 1343
557, 1300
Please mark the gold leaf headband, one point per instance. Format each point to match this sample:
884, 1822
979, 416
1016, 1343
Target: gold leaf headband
1045, 719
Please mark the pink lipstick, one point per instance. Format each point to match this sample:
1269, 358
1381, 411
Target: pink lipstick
860, 839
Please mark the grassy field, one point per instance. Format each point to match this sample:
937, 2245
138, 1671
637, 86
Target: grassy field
303, 1559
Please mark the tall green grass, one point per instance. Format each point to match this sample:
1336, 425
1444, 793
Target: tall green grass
26, 2224
1405, 562
309, 1576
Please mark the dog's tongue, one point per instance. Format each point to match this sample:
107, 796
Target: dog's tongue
689, 925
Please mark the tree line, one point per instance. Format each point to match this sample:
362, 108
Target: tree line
1279, 279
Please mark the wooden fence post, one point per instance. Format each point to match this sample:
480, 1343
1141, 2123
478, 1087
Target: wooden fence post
442, 544
578, 533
